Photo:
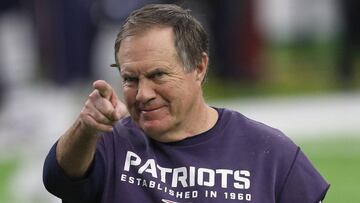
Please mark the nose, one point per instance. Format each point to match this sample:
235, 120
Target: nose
145, 92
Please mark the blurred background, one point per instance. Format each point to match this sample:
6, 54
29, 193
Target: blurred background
294, 65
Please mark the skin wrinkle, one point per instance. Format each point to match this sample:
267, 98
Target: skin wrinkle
179, 54
176, 94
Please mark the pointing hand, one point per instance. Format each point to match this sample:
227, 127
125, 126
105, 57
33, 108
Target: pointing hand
102, 109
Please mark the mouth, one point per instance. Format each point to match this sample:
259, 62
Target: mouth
150, 109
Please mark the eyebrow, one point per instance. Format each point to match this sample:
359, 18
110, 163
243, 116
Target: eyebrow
127, 74
155, 71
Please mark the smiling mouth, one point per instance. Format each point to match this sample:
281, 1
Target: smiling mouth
146, 110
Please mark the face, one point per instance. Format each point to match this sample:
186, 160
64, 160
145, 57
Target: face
160, 96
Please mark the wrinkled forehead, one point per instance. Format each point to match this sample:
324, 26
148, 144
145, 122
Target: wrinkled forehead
157, 43
139, 29
131, 30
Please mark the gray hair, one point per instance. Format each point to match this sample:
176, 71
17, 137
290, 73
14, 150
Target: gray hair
191, 40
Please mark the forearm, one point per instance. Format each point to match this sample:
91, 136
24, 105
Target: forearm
75, 150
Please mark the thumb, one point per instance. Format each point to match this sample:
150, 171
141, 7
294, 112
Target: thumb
120, 111
105, 90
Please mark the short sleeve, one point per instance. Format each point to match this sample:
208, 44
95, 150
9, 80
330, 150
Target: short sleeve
303, 184
87, 189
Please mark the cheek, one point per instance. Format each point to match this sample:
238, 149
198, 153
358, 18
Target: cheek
180, 95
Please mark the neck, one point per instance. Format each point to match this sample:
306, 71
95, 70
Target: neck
201, 119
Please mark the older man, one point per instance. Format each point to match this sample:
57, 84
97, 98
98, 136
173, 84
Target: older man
173, 147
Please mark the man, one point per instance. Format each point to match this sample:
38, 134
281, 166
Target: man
173, 147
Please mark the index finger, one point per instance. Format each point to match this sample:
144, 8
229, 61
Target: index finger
104, 89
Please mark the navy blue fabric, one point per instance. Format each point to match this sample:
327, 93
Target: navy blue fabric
238, 160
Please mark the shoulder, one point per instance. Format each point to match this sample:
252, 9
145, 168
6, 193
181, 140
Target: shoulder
259, 141
255, 131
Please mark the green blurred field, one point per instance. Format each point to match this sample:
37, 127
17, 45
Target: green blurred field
339, 162
7, 170
337, 159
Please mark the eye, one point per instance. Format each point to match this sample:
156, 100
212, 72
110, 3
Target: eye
130, 80
157, 74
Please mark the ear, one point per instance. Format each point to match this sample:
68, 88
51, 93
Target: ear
202, 67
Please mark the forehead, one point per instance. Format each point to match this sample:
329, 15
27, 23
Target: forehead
154, 44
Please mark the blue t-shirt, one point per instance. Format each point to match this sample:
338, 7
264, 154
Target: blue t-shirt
238, 160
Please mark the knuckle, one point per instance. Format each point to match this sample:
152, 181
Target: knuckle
105, 108
83, 113
88, 106
108, 112
86, 111
102, 120
94, 95
87, 123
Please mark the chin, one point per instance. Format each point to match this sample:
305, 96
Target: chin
155, 130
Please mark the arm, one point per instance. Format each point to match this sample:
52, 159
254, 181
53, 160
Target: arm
76, 148
303, 183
